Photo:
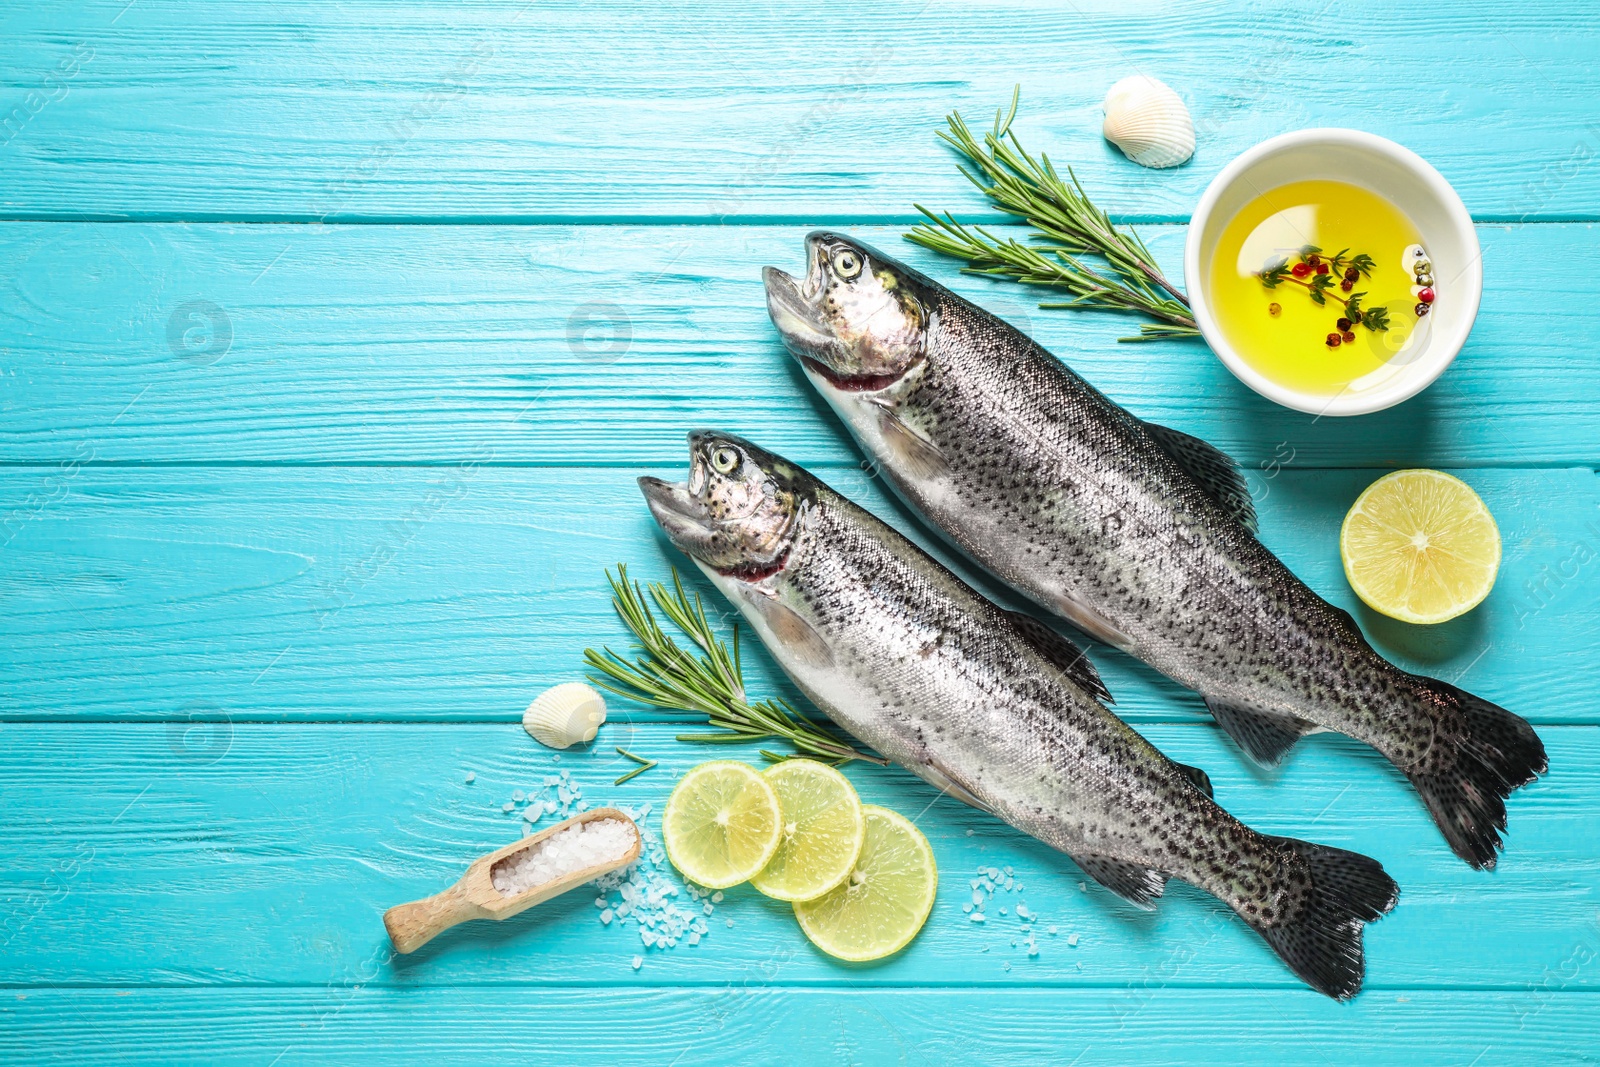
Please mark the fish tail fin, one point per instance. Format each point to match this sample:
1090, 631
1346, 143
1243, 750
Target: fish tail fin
1480, 754
1319, 936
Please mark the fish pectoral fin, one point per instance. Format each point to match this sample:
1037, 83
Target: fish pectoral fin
941, 778
1066, 656
1091, 622
1198, 778
1139, 886
912, 450
794, 633
1212, 469
946, 781
1264, 735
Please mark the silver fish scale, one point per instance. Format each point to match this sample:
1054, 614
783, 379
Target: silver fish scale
1066, 497
933, 676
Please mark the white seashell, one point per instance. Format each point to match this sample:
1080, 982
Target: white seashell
566, 715
1148, 121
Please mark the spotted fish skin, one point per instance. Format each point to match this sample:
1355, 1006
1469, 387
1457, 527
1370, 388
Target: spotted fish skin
912, 661
1139, 536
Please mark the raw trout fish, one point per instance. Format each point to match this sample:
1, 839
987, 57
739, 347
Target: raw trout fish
994, 707
1138, 535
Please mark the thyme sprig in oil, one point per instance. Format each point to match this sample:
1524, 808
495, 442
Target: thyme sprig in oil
1324, 278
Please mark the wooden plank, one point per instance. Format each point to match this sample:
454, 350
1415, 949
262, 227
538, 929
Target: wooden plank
457, 593
803, 1027
594, 345
480, 111
265, 854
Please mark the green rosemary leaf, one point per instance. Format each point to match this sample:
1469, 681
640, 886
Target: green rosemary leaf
708, 680
1065, 226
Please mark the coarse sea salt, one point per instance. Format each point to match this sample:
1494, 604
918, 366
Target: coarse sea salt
647, 893
989, 883
597, 842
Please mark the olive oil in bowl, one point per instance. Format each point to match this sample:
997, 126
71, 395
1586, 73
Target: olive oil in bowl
1323, 287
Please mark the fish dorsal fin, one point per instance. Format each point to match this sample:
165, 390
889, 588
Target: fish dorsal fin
1212, 470
1137, 885
911, 449
1197, 778
1264, 735
1068, 657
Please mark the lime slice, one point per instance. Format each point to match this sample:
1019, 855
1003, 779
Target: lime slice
721, 824
879, 908
822, 831
1419, 546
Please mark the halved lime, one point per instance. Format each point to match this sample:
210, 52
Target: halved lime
821, 835
1420, 546
721, 824
886, 898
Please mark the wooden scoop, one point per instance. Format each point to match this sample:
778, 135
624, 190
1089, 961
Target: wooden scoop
413, 925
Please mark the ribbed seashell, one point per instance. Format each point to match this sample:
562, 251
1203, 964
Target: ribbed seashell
565, 715
1148, 121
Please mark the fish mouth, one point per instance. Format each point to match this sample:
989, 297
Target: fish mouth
796, 315
681, 517
807, 336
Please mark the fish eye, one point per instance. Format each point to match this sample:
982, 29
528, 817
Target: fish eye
846, 264
724, 460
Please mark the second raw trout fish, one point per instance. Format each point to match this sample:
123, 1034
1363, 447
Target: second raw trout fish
994, 707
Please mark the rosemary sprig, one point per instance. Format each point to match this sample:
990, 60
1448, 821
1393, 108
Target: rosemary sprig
666, 675
1067, 225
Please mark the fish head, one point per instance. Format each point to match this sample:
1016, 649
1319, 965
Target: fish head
858, 318
740, 511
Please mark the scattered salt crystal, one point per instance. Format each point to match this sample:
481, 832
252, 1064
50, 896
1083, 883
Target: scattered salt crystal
638, 961
472, 776
966, 907
708, 909
694, 937
1006, 966
994, 874
1072, 939
599, 902
1023, 912
606, 917
971, 832
1083, 887
716, 898
556, 757
1009, 871
1052, 929
517, 795
506, 806
590, 844
1002, 911
977, 896
978, 917
730, 923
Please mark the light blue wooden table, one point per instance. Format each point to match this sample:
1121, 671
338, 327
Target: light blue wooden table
332, 338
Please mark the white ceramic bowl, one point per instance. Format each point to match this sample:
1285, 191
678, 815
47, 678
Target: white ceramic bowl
1400, 176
